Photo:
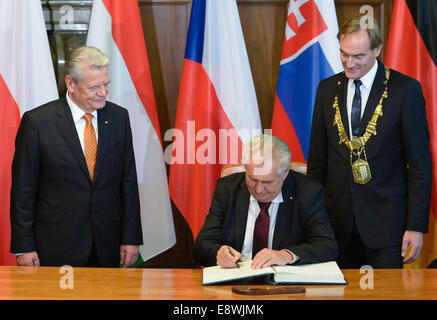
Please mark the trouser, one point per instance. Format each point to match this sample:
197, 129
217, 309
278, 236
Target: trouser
93, 260
355, 254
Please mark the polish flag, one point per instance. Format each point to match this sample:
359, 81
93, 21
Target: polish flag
27, 80
217, 109
115, 28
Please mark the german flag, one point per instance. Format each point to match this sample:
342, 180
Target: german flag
412, 50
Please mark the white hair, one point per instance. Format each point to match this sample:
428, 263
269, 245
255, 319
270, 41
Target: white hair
84, 55
271, 146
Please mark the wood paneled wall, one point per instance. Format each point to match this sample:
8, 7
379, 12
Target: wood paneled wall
165, 26
381, 9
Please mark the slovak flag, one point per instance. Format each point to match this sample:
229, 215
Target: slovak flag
217, 107
310, 53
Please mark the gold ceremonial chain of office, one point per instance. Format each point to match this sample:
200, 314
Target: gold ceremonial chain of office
360, 167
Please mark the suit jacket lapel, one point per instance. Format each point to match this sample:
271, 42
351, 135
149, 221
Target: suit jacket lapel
373, 100
104, 125
242, 208
342, 98
342, 94
285, 210
66, 127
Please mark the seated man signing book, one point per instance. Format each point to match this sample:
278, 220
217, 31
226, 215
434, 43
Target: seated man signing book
269, 214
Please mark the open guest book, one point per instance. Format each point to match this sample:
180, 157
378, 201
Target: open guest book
317, 273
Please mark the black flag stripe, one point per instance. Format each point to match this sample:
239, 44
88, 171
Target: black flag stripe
424, 13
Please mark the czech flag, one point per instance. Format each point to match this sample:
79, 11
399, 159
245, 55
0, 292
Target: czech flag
217, 107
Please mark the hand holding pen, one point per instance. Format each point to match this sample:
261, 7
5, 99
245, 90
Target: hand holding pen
227, 257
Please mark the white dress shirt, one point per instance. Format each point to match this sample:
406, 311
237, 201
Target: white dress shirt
253, 212
365, 88
80, 122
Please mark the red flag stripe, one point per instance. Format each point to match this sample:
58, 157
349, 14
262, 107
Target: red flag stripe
127, 32
192, 185
415, 61
283, 129
9, 122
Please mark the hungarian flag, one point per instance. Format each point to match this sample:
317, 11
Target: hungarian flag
310, 53
217, 107
27, 80
412, 50
116, 29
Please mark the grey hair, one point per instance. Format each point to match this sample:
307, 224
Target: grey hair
84, 55
268, 144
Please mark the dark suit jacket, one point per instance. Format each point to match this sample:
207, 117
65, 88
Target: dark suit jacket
398, 196
302, 225
55, 208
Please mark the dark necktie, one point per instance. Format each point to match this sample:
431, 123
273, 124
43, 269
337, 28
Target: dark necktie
261, 231
356, 109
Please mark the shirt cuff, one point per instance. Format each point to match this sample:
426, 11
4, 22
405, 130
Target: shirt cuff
295, 257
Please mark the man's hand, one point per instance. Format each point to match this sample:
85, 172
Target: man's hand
414, 240
28, 259
128, 255
267, 257
227, 257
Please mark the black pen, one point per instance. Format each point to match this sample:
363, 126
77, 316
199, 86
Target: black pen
230, 251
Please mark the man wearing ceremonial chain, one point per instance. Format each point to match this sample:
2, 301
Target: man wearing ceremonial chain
369, 147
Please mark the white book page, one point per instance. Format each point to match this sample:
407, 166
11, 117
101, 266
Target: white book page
218, 274
318, 272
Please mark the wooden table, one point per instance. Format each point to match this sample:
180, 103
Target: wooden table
47, 283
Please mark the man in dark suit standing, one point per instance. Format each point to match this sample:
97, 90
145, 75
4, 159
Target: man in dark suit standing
74, 196
269, 214
370, 148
